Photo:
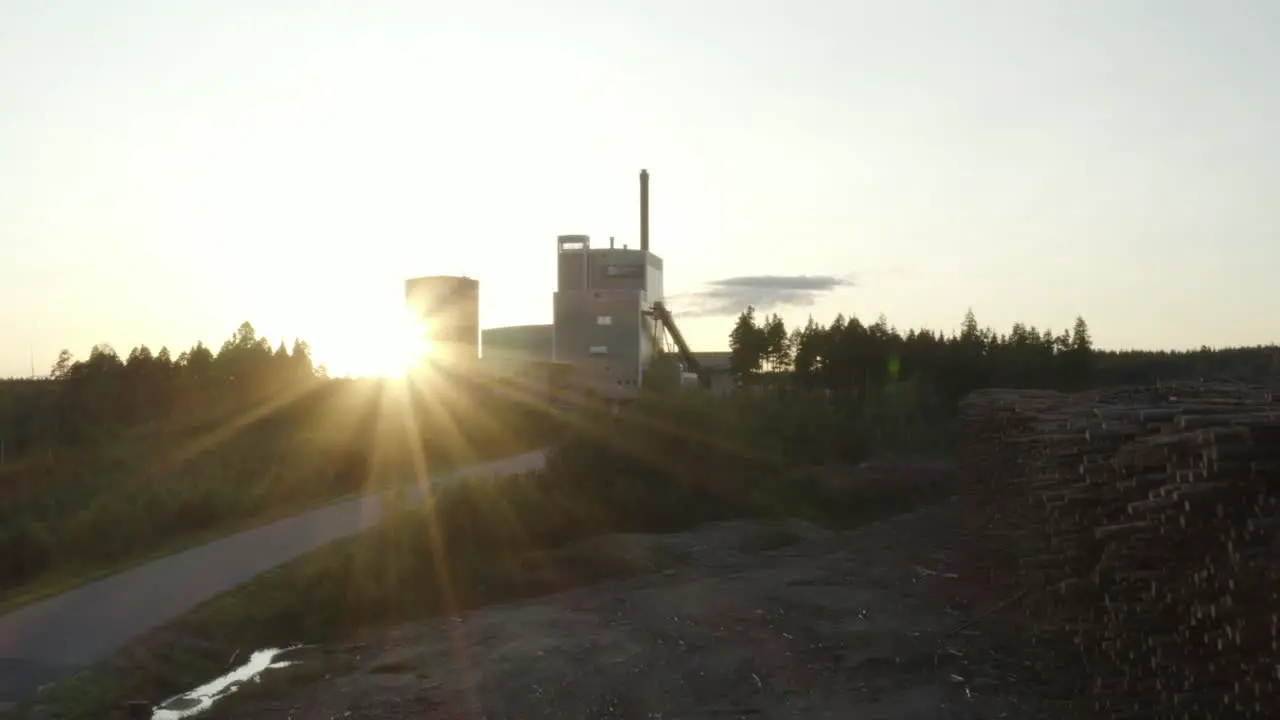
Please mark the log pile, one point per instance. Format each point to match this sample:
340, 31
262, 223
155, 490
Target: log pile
1141, 526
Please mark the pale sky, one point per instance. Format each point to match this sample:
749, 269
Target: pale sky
170, 169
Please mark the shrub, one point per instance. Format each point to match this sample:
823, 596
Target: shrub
669, 463
146, 489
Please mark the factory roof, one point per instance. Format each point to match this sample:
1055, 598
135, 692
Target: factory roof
713, 360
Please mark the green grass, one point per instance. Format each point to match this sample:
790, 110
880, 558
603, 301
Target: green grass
670, 464
71, 576
89, 511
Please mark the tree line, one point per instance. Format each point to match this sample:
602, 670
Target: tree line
104, 390
247, 381
113, 455
842, 358
243, 357
849, 358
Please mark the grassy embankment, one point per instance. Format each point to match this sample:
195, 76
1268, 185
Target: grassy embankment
81, 512
670, 464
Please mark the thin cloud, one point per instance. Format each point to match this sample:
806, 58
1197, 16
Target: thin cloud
731, 296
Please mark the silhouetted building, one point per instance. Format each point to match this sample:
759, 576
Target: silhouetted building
447, 308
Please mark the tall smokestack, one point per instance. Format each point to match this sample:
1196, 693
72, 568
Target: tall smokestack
644, 210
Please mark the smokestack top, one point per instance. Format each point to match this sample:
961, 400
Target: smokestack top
644, 210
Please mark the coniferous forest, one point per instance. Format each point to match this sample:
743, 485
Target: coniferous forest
112, 455
852, 359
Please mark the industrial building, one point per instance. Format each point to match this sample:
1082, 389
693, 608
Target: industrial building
601, 316
515, 349
446, 312
518, 343
609, 321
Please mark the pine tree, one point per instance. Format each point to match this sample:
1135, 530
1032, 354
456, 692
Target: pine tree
747, 345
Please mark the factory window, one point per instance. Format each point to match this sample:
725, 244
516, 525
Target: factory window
599, 350
604, 319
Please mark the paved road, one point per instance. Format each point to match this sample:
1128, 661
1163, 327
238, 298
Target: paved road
51, 639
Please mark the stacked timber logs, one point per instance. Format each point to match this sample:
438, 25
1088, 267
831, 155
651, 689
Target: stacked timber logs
1141, 526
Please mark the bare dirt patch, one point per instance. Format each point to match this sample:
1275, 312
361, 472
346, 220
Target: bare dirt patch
759, 618
756, 620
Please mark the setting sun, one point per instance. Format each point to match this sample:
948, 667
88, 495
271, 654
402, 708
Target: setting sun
395, 347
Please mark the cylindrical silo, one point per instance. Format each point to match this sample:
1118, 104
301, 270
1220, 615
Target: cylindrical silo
447, 308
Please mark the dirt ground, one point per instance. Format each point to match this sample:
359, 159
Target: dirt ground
747, 620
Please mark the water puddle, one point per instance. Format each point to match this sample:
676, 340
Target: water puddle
194, 702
